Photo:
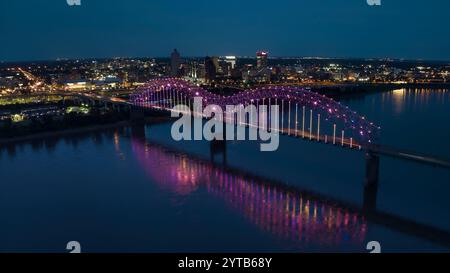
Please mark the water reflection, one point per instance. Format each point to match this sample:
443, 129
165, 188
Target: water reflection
287, 217
411, 118
419, 97
300, 218
398, 99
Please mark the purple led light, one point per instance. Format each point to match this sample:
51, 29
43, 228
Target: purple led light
332, 110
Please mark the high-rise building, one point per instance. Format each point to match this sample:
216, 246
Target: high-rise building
231, 60
228, 64
175, 61
261, 59
211, 68
193, 70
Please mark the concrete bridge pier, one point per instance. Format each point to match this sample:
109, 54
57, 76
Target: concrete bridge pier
219, 146
371, 181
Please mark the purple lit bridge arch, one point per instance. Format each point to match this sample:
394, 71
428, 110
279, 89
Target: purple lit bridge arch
304, 113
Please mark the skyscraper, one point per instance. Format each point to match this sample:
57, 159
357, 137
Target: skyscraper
211, 65
175, 62
261, 59
231, 60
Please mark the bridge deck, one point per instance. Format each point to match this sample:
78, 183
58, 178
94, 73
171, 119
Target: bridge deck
352, 144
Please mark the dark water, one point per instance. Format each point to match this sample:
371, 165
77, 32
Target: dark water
133, 189
413, 119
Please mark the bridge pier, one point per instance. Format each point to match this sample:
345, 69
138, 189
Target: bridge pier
371, 181
219, 146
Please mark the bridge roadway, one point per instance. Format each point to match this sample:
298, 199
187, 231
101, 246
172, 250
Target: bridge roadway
309, 135
375, 149
407, 226
408, 155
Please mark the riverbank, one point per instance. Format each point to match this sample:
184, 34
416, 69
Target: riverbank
82, 129
358, 90
338, 90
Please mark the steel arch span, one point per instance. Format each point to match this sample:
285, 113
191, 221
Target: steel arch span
302, 110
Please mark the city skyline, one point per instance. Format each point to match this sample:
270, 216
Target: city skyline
288, 29
188, 57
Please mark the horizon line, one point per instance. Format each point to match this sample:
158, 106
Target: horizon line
237, 56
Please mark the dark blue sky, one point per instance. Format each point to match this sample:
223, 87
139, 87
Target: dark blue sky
48, 29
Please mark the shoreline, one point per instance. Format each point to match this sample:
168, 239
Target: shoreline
59, 133
78, 130
345, 90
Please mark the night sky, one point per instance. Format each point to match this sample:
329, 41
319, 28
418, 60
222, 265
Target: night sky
48, 29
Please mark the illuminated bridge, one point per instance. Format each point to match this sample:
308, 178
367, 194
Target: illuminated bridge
304, 113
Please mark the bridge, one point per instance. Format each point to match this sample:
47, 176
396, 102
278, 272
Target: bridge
303, 112
304, 115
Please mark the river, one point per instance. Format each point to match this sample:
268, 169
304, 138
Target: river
134, 189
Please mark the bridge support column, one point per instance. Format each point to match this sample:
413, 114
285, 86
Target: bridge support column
371, 181
219, 146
